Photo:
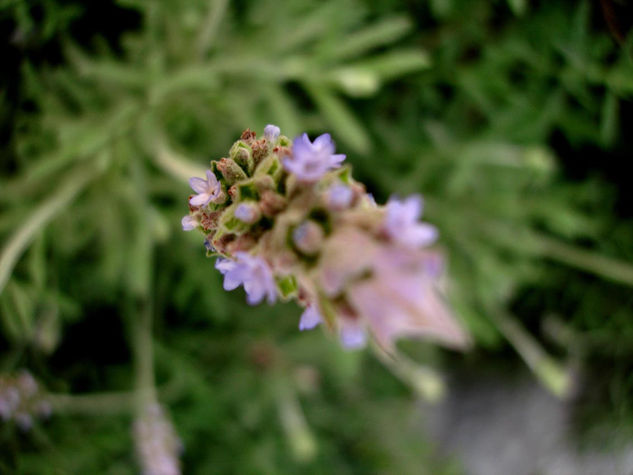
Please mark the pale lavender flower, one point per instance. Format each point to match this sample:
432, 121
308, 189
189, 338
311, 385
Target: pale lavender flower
311, 160
401, 299
402, 225
339, 196
308, 237
271, 132
189, 223
352, 333
207, 190
253, 273
157, 444
310, 318
21, 399
247, 212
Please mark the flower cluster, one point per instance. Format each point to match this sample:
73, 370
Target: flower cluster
21, 399
157, 444
290, 222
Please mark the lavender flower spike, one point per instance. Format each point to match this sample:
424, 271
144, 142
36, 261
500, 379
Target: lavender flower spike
251, 271
311, 160
271, 132
401, 223
207, 190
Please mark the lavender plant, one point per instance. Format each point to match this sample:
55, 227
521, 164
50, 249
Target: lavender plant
290, 222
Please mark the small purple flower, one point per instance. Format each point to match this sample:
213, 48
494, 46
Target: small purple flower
311, 160
352, 333
189, 223
401, 223
271, 132
251, 271
339, 196
310, 318
247, 212
207, 190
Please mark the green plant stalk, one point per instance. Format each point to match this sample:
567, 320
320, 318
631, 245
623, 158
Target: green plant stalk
605, 267
425, 381
93, 404
301, 439
43, 214
556, 378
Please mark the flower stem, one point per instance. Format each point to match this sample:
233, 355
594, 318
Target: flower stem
605, 267
43, 214
550, 372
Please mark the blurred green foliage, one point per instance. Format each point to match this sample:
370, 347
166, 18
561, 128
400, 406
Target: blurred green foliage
459, 100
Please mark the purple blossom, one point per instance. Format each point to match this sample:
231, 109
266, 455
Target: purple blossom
247, 212
208, 190
339, 196
401, 299
310, 318
271, 132
401, 223
352, 333
189, 223
311, 160
253, 273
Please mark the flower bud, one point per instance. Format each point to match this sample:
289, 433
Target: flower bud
308, 237
230, 170
248, 212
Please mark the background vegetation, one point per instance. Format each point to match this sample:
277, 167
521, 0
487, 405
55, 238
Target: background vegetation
509, 116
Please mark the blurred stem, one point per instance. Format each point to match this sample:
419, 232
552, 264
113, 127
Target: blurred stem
143, 354
52, 205
174, 165
425, 381
610, 269
109, 403
298, 434
552, 375
209, 29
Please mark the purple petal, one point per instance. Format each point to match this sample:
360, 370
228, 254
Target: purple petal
189, 223
200, 200
336, 160
310, 318
271, 132
353, 335
199, 185
212, 182
324, 141
340, 197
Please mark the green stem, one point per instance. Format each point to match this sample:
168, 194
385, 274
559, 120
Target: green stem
103, 403
208, 32
174, 165
143, 354
424, 380
302, 442
605, 267
554, 377
43, 214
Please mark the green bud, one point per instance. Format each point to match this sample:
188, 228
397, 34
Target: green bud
270, 166
242, 154
230, 170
